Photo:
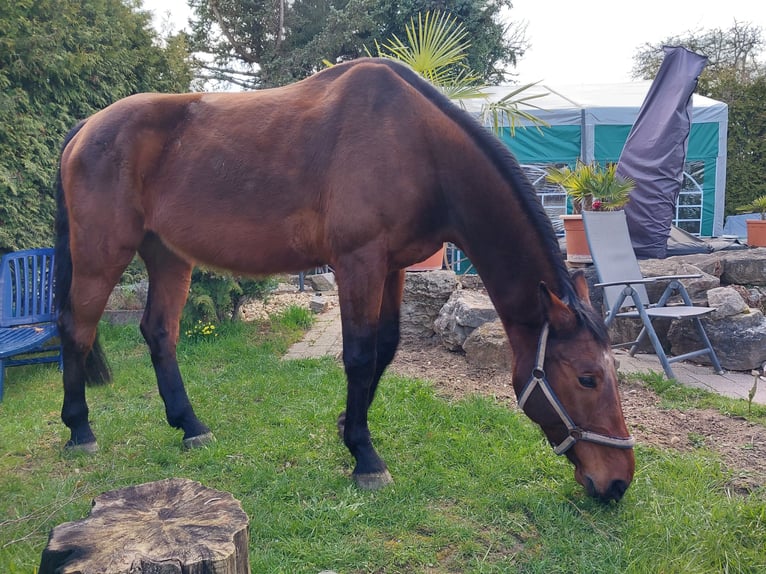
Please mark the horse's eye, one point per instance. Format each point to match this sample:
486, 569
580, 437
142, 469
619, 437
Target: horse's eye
587, 381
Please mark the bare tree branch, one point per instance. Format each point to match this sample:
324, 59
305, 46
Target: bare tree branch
239, 47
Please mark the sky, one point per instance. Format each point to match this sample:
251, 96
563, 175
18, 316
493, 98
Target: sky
586, 41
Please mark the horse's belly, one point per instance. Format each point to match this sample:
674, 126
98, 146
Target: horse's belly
244, 245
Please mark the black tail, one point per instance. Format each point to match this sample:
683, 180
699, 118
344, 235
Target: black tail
97, 370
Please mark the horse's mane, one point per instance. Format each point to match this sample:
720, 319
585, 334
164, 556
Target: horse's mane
502, 158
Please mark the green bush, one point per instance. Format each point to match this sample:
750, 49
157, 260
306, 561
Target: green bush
217, 297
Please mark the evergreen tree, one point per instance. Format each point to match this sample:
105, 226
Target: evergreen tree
60, 61
254, 44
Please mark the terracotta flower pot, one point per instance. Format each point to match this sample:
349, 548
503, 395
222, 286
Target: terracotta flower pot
756, 232
432, 263
577, 243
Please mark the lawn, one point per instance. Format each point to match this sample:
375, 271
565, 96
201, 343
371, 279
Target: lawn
476, 487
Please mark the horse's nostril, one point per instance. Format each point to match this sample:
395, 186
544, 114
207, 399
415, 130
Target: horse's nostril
616, 490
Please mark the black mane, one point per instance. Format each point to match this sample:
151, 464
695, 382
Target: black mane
506, 163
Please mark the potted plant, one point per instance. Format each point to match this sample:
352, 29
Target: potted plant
590, 186
756, 228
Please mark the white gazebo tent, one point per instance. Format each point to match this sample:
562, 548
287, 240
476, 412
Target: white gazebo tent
592, 122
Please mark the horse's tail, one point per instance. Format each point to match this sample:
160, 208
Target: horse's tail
97, 370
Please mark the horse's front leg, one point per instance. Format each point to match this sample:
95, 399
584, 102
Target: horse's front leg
169, 280
360, 302
359, 361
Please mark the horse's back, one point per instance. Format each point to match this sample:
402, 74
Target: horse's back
299, 172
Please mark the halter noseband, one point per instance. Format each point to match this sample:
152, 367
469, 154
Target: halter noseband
574, 433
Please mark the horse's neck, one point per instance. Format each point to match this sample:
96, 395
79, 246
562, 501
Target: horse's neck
512, 279
509, 252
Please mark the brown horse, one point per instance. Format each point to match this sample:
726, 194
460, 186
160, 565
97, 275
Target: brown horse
364, 166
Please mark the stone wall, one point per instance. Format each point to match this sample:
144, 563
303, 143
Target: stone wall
734, 282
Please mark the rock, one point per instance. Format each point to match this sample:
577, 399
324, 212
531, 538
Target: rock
726, 301
464, 311
473, 282
754, 296
736, 329
322, 281
487, 346
319, 304
129, 297
746, 267
710, 263
738, 340
425, 293
696, 287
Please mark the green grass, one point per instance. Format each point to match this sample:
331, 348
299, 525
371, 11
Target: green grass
476, 488
677, 396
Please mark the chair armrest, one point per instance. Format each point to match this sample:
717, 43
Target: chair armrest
627, 282
647, 280
666, 277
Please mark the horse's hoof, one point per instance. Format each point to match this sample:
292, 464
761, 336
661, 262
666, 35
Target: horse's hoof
86, 447
374, 480
199, 440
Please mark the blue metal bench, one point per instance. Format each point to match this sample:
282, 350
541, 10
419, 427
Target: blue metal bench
28, 331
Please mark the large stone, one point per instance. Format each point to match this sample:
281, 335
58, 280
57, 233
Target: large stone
464, 311
487, 346
696, 287
726, 301
710, 263
322, 281
738, 340
425, 293
746, 267
129, 297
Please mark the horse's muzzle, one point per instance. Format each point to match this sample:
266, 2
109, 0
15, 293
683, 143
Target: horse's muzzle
614, 491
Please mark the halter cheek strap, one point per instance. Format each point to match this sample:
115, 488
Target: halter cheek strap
574, 432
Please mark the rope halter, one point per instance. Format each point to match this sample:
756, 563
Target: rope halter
574, 432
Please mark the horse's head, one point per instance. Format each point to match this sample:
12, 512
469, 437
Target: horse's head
567, 383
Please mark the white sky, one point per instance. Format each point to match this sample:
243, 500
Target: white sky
585, 41
593, 41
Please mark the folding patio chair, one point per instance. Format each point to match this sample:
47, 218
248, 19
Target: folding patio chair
625, 293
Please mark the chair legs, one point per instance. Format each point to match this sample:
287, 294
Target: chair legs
648, 330
703, 335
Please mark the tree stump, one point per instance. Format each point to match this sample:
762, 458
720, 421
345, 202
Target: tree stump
172, 526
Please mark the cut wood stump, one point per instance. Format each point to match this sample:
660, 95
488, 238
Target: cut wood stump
172, 526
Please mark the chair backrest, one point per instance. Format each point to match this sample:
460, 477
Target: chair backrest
26, 287
613, 255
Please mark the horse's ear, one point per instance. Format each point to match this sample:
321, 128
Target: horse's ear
558, 314
581, 286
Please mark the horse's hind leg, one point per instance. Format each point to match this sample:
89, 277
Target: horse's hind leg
169, 280
78, 319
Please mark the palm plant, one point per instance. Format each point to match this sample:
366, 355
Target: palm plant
757, 205
593, 187
436, 49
